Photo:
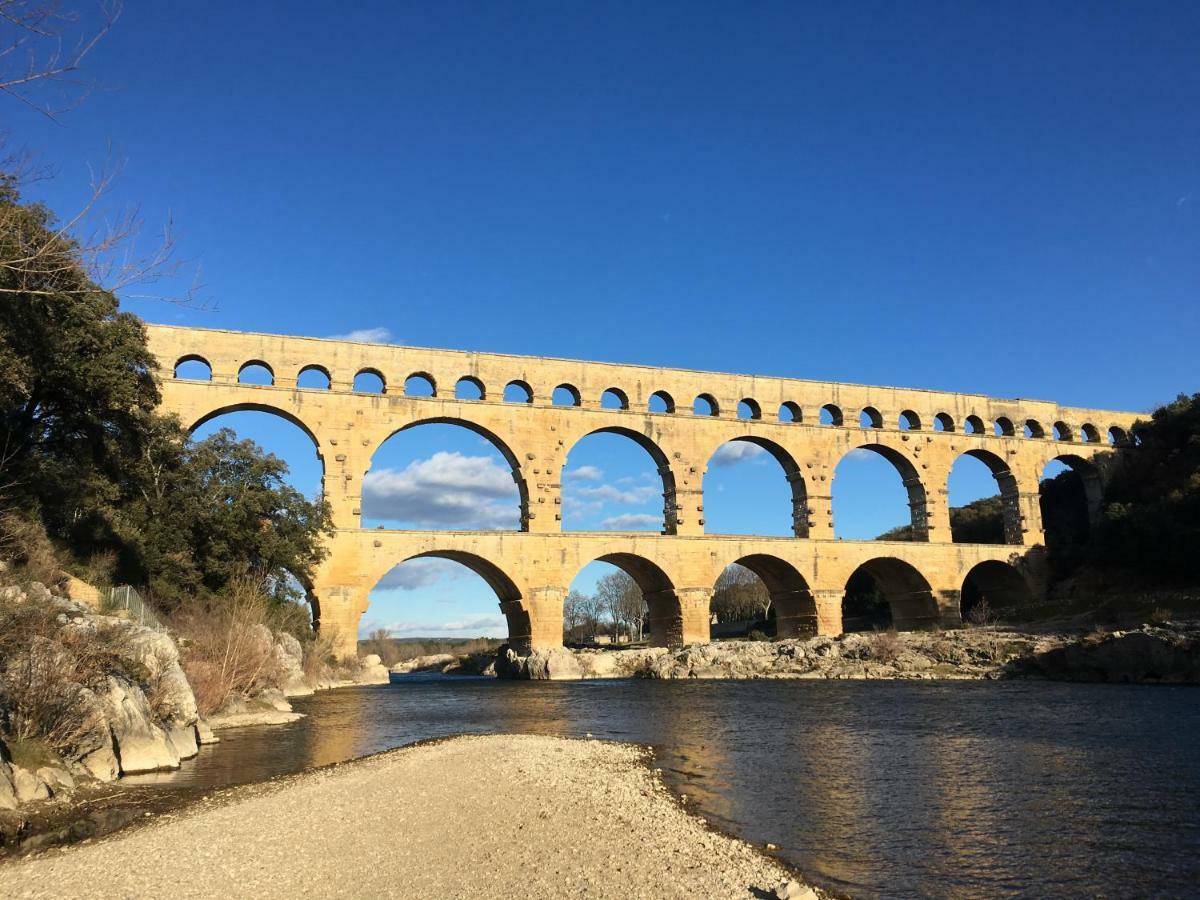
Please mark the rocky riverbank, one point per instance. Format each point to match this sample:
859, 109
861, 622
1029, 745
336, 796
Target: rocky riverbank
560, 818
1167, 653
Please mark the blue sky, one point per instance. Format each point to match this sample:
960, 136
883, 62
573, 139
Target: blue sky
982, 197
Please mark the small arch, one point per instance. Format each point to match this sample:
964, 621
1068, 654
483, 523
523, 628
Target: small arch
256, 372
420, 384
314, 378
1062, 431
749, 409
518, 392
1003, 427
886, 591
789, 412
661, 402
943, 422
910, 421
369, 381
991, 591
869, 417
831, 415
193, 368
566, 395
1117, 436
1034, 430
973, 425
469, 388
705, 405
1089, 434
614, 398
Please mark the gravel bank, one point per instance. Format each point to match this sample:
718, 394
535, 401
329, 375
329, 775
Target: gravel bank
503, 815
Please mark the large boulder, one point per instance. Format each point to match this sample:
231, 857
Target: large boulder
289, 658
27, 786
553, 664
142, 746
371, 670
8, 793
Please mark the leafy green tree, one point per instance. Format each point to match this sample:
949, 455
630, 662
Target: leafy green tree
1151, 511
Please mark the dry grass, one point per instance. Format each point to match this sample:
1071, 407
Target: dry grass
28, 552
227, 646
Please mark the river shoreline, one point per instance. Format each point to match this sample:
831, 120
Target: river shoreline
545, 817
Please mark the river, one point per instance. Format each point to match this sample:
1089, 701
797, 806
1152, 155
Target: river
872, 789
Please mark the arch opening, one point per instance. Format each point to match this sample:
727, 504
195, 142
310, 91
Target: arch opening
277, 432
910, 421
1061, 431
614, 398
831, 415
566, 395
448, 599
314, 378
518, 392
624, 594
1117, 436
985, 500
705, 405
869, 417
763, 593
1003, 427
888, 593
419, 384
1089, 434
256, 372
790, 412
369, 381
661, 402
442, 474
943, 422
741, 490
469, 388
973, 425
617, 479
193, 368
867, 502
749, 409
1034, 430
1070, 495
992, 592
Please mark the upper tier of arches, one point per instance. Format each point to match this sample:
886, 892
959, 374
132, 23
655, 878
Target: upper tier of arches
761, 402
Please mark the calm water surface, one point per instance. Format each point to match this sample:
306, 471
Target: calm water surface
874, 789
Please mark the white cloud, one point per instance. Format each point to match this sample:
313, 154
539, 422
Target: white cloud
585, 473
860, 453
418, 573
631, 521
475, 626
445, 490
379, 335
735, 452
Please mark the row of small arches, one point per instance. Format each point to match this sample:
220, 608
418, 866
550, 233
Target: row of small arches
422, 384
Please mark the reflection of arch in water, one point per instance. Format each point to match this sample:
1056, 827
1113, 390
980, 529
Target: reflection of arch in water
910, 602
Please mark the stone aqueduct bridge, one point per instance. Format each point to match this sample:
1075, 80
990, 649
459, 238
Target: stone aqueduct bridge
921, 433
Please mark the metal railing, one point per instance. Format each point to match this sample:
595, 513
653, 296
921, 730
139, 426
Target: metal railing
127, 599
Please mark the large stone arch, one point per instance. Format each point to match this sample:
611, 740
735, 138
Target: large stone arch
1093, 483
514, 463
1000, 585
791, 598
918, 502
279, 411
665, 620
661, 461
791, 471
508, 594
1009, 489
913, 604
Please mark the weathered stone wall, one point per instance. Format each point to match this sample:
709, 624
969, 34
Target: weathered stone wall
532, 569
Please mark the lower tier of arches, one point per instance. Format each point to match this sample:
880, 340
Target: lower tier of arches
815, 586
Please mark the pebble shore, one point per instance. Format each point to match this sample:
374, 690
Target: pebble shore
497, 815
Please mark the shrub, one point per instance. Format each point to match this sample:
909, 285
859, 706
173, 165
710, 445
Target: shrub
228, 648
756, 635
885, 646
981, 614
1161, 615
25, 547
